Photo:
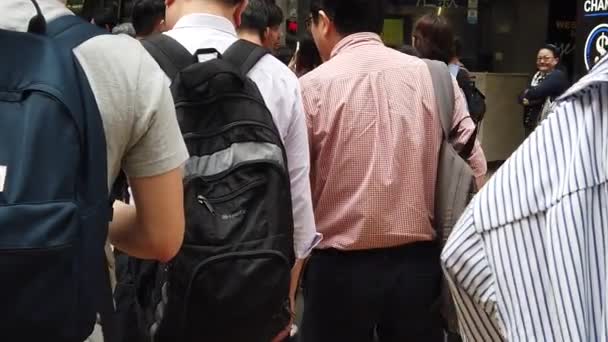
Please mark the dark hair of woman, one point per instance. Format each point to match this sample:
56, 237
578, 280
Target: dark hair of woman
434, 38
557, 52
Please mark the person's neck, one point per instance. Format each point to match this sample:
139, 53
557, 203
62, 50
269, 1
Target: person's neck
334, 41
250, 36
207, 7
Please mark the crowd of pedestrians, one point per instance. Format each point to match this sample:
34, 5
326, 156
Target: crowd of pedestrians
175, 181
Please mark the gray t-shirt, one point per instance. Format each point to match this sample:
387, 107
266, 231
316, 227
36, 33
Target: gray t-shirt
133, 96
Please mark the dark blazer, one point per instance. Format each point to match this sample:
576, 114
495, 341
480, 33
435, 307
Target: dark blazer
554, 85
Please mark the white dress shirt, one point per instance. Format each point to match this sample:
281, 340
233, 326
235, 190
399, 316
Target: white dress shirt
527, 261
281, 92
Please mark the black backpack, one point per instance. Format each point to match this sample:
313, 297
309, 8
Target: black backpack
476, 100
230, 281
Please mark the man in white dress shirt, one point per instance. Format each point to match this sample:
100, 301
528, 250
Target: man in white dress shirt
527, 262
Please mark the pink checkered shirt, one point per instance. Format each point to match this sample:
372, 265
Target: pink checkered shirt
375, 137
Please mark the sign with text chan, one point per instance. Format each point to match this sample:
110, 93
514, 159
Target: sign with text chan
594, 6
591, 33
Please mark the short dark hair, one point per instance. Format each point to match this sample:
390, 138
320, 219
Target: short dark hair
146, 14
556, 51
434, 38
275, 15
106, 18
351, 16
256, 16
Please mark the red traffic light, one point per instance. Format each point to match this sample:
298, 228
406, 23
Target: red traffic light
292, 26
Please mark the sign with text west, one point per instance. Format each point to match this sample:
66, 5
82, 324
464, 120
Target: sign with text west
562, 31
592, 33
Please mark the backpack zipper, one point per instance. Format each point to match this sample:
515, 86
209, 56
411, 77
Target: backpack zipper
213, 99
207, 202
193, 136
202, 200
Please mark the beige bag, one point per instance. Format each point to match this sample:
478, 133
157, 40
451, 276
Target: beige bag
547, 109
455, 179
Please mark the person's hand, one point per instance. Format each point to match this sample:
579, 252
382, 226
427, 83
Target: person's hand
525, 102
284, 334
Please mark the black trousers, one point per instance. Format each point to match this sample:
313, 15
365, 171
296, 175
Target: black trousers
386, 295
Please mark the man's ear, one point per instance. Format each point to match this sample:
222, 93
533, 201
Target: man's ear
266, 36
325, 23
169, 2
239, 12
160, 26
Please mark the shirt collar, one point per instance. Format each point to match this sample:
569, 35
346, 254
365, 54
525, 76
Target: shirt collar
355, 40
599, 74
204, 20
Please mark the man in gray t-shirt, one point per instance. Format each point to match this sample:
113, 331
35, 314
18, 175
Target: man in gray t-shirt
142, 134
143, 137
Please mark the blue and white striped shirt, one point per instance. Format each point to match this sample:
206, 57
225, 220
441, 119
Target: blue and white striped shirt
527, 261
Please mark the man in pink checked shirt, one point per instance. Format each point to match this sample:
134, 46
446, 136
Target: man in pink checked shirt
375, 136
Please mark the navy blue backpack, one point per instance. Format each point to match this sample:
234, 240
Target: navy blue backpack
54, 202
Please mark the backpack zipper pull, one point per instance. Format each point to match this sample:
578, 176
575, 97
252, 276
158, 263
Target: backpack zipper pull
203, 201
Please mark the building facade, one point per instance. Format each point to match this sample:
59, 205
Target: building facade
497, 35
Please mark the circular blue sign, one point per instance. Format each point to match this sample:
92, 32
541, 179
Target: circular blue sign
596, 46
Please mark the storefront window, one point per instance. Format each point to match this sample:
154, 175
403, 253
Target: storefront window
394, 31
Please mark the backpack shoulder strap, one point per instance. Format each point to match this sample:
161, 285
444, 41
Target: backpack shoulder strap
69, 32
464, 79
244, 55
170, 55
468, 148
444, 94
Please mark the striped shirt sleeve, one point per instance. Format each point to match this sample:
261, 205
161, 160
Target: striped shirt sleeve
469, 275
